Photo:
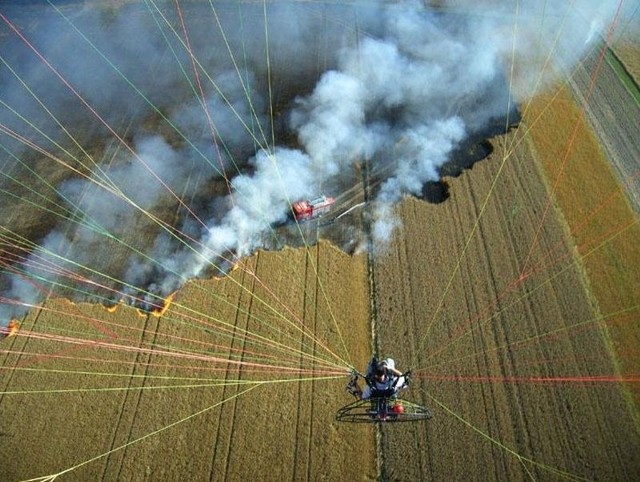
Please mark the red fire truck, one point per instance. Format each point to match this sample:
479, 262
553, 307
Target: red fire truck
305, 210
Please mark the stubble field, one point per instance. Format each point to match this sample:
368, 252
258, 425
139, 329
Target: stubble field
483, 296
248, 392
514, 302
508, 342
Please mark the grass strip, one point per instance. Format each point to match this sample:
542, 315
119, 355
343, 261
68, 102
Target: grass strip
623, 74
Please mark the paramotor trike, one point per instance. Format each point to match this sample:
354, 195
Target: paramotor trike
380, 407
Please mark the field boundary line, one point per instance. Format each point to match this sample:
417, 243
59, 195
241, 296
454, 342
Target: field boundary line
373, 304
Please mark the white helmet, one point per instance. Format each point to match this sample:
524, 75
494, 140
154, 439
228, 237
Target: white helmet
389, 363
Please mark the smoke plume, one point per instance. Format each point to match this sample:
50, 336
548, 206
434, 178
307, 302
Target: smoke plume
153, 142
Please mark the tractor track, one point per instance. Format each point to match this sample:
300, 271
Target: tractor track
310, 452
303, 452
132, 397
235, 389
218, 440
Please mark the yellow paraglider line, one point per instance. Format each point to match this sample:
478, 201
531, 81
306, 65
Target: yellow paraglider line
210, 384
484, 205
140, 439
521, 458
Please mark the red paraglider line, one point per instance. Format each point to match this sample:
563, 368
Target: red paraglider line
527, 379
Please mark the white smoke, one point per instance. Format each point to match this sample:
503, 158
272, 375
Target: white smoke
392, 84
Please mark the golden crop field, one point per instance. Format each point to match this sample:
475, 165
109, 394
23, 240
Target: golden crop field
510, 287
504, 362
251, 381
501, 322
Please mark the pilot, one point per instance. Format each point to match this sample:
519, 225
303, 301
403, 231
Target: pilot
384, 379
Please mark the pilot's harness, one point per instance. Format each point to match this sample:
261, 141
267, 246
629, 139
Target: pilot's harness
354, 389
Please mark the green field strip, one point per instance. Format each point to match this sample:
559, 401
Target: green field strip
623, 74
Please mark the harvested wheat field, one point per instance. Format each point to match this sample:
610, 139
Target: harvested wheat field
517, 370
512, 353
214, 212
215, 398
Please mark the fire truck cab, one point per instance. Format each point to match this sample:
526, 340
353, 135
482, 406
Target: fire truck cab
305, 210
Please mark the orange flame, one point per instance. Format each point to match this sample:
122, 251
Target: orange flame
167, 302
236, 265
158, 309
114, 307
11, 329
